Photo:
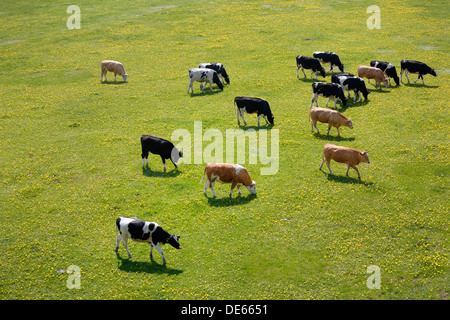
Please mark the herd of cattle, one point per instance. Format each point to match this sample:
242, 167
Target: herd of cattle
236, 175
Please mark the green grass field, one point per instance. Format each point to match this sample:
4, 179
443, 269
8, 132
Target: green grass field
70, 152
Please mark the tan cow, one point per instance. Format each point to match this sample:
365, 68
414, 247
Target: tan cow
228, 173
373, 73
113, 66
333, 117
340, 154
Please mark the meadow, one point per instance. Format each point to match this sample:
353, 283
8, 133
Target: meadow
70, 159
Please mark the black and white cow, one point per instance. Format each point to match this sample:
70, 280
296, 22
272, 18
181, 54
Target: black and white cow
329, 57
351, 83
412, 66
203, 75
219, 68
309, 63
388, 68
143, 231
159, 146
328, 90
253, 105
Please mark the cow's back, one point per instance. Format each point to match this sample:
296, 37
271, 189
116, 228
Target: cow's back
340, 154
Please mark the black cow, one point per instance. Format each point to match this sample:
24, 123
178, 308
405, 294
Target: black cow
252, 105
164, 148
143, 231
412, 66
328, 90
388, 68
351, 83
219, 68
329, 57
309, 63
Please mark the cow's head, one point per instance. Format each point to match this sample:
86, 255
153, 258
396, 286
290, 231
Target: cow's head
173, 241
224, 74
348, 123
341, 67
125, 77
176, 155
322, 72
342, 96
217, 81
270, 117
252, 187
433, 73
364, 156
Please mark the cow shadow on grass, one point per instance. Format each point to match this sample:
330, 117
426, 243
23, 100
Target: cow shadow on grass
418, 85
146, 171
227, 201
130, 265
257, 128
346, 179
331, 137
311, 80
113, 82
206, 92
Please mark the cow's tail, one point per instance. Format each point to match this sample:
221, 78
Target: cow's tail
204, 171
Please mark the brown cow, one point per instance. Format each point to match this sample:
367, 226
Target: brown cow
228, 173
113, 66
340, 154
332, 117
373, 73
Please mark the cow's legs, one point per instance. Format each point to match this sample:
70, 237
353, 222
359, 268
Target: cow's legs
242, 115
314, 98
334, 103
297, 71
211, 186
419, 77
314, 124
164, 163
115, 74
239, 190
207, 182
237, 114
406, 75
303, 72
118, 238
161, 252
190, 86
329, 127
327, 102
125, 244
354, 167
258, 120
233, 185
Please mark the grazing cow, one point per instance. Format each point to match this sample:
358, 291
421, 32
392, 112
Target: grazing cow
228, 173
373, 73
113, 66
412, 66
252, 105
329, 57
164, 148
332, 117
340, 154
309, 63
204, 75
351, 83
143, 231
219, 68
328, 90
388, 68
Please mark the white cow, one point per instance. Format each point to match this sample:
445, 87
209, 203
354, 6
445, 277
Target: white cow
203, 75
